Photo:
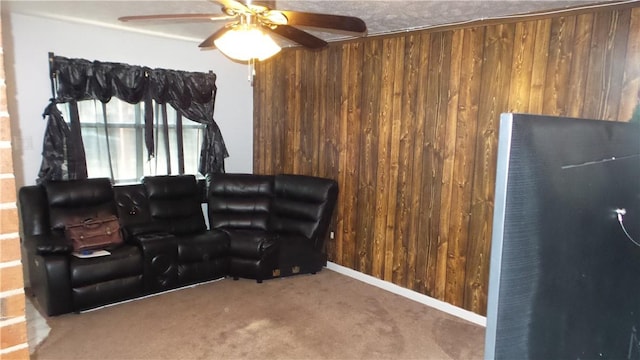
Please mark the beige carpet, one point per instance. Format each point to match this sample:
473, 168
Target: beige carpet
322, 316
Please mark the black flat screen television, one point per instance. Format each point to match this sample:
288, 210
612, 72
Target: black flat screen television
565, 260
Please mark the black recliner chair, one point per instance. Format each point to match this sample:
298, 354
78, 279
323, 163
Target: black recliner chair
300, 217
240, 205
60, 281
277, 225
175, 208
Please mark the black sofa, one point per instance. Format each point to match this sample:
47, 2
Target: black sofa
260, 227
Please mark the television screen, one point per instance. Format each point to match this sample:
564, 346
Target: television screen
565, 260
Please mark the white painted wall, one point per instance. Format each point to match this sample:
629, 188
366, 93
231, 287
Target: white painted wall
27, 40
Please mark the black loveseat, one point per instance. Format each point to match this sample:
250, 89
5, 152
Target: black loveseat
260, 227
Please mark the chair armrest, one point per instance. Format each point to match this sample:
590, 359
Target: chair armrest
47, 244
50, 282
149, 239
160, 266
132, 231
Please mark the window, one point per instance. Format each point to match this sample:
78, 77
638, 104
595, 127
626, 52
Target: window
114, 131
115, 147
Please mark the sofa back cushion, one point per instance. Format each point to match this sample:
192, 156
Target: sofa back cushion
240, 201
175, 203
303, 205
75, 200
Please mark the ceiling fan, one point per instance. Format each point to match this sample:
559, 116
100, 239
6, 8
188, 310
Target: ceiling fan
263, 20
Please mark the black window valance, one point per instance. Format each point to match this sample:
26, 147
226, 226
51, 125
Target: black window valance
79, 79
192, 94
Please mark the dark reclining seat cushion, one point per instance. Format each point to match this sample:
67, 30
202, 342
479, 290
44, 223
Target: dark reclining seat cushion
295, 250
103, 280
202, 256
251, 244
123, 262
204, 246
174, 203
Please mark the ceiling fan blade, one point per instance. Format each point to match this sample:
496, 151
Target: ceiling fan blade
208, 42
190, 17
301, 37
325, 21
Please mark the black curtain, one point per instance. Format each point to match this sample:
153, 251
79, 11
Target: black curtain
192, 94
54, 148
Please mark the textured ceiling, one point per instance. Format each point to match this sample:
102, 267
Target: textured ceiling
381, 16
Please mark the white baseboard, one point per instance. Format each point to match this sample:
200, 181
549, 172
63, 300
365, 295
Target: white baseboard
410, 294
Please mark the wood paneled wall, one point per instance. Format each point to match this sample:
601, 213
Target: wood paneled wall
408, 126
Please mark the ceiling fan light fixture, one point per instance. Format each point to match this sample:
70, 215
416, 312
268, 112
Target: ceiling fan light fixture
245, 42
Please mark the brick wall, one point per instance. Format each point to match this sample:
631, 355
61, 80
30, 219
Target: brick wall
13, 326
